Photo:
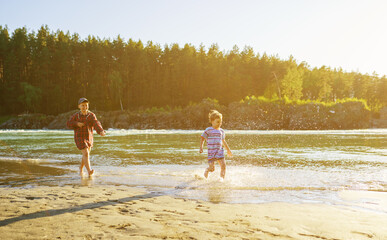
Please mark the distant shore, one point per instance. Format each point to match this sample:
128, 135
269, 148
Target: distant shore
107, 212
239, 116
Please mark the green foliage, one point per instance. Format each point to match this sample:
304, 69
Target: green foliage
264, 113
154, 110
253, 100
32, 96
47, 72
291, 84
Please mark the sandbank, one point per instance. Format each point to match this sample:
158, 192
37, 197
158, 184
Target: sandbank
119, 212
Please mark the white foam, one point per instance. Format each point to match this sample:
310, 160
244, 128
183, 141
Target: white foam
124, 132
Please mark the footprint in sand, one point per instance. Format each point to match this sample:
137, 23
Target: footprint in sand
33, 198
272, 219
123, 210
145, 209
124, 226
202, 208
241, 222
174, 211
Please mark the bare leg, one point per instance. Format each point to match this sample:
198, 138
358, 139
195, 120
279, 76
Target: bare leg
222, 164
82, 162
81, 167
91, 170
86, 160
210, 168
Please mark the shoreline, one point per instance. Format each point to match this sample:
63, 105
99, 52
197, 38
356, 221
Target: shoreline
188, 131
119, 212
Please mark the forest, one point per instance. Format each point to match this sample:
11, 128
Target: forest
47, 72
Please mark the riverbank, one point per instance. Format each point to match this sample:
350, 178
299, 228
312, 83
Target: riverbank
245, 115
105, 212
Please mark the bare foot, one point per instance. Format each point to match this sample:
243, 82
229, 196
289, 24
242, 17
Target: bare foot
206, 173
81, 171
91, 172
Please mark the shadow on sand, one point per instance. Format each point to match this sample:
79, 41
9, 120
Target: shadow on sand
54, 212
86, 182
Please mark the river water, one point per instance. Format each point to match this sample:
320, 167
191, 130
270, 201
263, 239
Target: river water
346, 168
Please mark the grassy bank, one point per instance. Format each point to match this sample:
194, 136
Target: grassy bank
252, 112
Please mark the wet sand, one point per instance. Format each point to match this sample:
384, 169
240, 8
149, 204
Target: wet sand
118, 212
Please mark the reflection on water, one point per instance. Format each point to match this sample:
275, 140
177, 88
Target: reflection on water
87, 181
295, 166
20, 172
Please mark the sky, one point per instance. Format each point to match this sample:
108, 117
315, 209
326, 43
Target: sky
347, 34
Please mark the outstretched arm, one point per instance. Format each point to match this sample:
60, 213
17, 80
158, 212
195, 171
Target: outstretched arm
229, 153
202, 139
98, 126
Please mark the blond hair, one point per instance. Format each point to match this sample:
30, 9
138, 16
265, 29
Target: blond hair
214, 115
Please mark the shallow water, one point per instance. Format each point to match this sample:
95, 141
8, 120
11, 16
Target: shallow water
286, 166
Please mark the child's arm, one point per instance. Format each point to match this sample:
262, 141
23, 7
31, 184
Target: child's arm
71, 123
97, 125
229, 153
202, 139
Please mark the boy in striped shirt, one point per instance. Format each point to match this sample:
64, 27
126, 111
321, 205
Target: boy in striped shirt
216, 139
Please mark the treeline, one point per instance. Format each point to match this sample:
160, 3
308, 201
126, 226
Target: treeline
47, 72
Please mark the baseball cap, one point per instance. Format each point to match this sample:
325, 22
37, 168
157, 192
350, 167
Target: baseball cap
82, 100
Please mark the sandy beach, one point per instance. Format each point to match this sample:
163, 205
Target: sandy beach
119, 212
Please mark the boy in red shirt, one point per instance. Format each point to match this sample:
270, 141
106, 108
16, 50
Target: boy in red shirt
83, 123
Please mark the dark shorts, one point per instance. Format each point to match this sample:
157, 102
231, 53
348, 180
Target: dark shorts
82, 144
212, 160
